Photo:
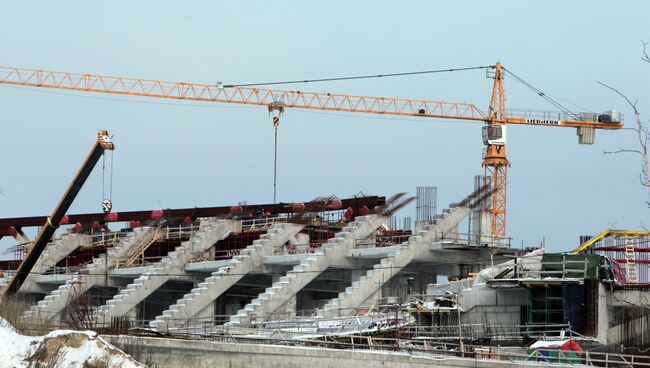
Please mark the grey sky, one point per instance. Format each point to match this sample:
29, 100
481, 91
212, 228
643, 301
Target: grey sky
172, 154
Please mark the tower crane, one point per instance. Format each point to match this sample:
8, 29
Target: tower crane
496, 118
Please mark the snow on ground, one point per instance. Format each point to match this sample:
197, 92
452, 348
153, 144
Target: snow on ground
62, 348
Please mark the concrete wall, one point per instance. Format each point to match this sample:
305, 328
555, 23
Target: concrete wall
159, 352
493, 306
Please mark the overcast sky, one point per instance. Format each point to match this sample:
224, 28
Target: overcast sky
173, 154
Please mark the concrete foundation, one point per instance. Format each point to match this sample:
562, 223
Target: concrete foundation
158, 352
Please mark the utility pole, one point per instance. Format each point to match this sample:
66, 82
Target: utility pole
460, 330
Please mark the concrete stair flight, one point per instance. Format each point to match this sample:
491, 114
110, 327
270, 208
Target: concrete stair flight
360, 290
201, 298
357, 293
54, 252
164, 270
49, 309
297, 278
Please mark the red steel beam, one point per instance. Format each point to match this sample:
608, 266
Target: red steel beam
8, 225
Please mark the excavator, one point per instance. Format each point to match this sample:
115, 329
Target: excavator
496, 119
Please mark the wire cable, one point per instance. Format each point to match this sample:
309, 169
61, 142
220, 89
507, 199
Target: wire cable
361, 76
543, 95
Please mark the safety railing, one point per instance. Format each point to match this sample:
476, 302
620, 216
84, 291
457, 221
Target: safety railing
418, 348
105, 239
477, 331
382, 241
302, 248
171, 232
261, 223
468, 239
405, 342
548, 117
567, 269
65, 270
223, 254
183, 232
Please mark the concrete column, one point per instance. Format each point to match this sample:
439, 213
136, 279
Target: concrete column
603, 315
481, 227
356, 275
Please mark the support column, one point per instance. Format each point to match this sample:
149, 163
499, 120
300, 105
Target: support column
603, 316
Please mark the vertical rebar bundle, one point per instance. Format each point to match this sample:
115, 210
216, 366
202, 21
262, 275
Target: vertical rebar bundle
426, 206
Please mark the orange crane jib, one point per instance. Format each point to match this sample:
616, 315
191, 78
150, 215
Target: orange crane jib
494, 132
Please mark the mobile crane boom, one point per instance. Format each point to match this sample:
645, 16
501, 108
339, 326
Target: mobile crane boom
102, 144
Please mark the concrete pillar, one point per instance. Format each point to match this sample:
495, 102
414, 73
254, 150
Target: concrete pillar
421, 280
356, 275
603, 315
481, 227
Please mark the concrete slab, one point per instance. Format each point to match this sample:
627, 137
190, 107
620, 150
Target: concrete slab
286, 260
206, 266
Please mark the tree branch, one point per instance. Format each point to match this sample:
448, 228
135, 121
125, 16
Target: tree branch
633, 105
645, 57
642, 132
621, 150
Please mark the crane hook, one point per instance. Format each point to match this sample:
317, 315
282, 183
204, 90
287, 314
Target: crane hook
275, 109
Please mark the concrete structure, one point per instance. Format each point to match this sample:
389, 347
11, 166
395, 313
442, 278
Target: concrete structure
253, 267
537, 296
242, 354
200, 301
363, 289
53, 253
169, 267
297, 278
50, 307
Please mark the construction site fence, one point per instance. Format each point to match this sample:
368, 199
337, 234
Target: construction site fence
427, 349
490, 331
419, 346
424, 348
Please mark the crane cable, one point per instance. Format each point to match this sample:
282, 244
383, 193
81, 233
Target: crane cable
544, 95
276, 120
107, 202
361, 76
275, 164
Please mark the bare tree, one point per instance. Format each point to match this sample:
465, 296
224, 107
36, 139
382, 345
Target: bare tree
642, 133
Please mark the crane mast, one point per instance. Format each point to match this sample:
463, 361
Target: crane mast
495, 162
496, 119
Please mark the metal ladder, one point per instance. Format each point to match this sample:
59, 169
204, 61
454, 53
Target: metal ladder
630, 261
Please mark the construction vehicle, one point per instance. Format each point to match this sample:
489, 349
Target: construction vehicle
496, 118
102, 144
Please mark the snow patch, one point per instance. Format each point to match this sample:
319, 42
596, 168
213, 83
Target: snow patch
65, 348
